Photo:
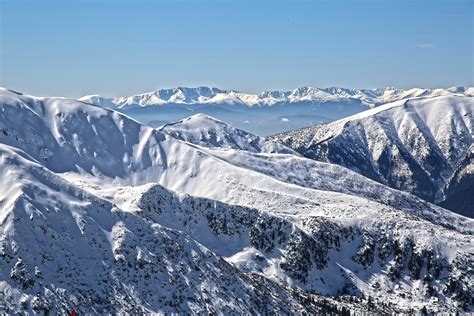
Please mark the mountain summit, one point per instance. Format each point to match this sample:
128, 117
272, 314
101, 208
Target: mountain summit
201, 129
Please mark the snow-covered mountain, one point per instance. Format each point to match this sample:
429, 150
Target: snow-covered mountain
266, 113
206, 95
63, 248
203, 130
102, 214
423, 146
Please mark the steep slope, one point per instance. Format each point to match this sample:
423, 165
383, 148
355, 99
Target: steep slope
324, 231
265, 113
63, 248
207, 131
416, 145
460, 189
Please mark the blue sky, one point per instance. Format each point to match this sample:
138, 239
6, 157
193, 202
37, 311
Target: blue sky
72, 48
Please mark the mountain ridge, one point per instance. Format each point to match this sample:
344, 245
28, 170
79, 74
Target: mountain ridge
415, 145
162, 223
211, 95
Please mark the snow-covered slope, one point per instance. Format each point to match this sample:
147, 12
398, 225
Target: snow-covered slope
266, 113
201, 129
417, 146
161, 224
63, 248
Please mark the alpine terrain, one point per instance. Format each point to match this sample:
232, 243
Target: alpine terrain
101, 214
422, 145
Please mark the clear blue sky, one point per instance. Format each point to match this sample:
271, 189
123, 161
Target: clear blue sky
72, 48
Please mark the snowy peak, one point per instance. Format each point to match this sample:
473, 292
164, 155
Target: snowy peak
206, 95
204, 130
199, 121
180, 95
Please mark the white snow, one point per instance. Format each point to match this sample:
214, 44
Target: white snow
201, 129
206, 95
186, 205
423, 140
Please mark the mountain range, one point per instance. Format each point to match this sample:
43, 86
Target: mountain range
211, 95
265, 113
102, 214
423, 146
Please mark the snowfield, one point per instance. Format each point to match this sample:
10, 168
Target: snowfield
101, 214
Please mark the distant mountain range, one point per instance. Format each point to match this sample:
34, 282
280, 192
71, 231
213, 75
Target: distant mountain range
209, 95
102, 214
265, 113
